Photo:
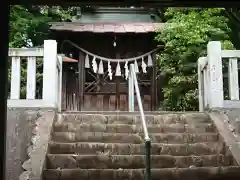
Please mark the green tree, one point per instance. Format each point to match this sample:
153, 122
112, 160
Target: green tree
29, 24
29, 28
186, 35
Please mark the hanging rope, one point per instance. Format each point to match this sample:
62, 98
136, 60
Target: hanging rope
99, 68
108, 59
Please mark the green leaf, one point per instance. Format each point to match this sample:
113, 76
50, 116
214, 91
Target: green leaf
185, 36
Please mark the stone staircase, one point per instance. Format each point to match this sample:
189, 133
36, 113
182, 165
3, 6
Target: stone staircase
185, 146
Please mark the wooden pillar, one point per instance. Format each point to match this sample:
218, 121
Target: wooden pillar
81, 79
153, 84
64, 93
4, 81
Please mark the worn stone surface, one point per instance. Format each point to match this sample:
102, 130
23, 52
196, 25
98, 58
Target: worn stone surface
127, 128
31, 134
125, 148
40, 143
25, 175
20, 122
194, 117
133, 138
227, 136
97, 146
232, 118
204, 173
129, 119
63, 161
97, 137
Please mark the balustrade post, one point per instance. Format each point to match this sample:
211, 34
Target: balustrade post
15, 78
50, 95
214, 55
31, 78
233, 79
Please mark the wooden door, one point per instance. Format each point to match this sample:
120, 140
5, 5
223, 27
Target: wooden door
70, 89
84, 90
101, 93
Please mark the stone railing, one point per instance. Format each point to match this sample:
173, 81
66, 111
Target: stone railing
52, 76
210, 78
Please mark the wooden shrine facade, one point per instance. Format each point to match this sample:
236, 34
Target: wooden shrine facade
85, 90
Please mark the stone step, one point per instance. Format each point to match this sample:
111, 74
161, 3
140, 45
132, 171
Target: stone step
71, 161
127, 128
187, 118
133, 138
197, 173
158, 112
206, 148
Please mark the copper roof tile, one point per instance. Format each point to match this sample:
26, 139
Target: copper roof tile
157, 27
99, 28
88, 27
129, 27
149, 28
140, 29
119, 29
107, 27
77, 28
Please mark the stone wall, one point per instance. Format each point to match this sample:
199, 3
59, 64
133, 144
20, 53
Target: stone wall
20, 125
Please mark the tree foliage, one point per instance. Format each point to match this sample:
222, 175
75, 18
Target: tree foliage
29, 24
29, 28
185, 36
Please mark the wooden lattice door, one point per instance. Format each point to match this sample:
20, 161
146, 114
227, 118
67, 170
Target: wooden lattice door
102, 94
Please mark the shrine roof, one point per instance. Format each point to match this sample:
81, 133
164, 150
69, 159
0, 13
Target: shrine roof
138, 27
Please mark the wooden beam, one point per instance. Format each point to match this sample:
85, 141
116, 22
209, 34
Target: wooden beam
68, 59
136, 3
